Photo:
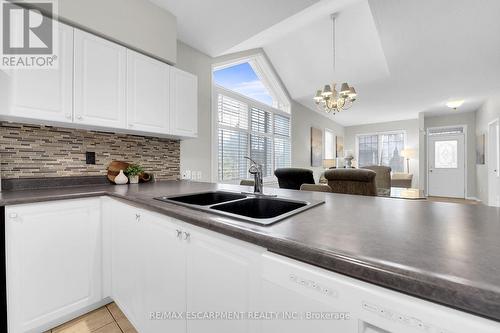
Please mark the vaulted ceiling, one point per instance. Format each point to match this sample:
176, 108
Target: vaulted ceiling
403, 56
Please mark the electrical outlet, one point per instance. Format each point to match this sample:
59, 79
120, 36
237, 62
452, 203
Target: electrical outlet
90, 157
186, 174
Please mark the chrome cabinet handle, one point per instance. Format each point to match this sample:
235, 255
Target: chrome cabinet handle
137, 217
13, 215
187, 236
79, 117
179, 233
68, 115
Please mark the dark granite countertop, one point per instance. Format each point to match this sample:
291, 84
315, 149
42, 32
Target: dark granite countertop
443, 252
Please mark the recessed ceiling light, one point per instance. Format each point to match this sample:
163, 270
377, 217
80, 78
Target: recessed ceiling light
455, 104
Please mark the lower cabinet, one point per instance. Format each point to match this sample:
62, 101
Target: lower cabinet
222, 277
162, 269
147, 267
53, 262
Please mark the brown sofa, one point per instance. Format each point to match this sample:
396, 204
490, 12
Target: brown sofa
352, 181
383, 177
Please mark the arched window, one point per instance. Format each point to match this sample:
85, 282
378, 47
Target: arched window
253, 118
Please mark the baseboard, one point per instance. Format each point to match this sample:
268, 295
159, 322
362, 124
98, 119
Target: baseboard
80, 312
473, 198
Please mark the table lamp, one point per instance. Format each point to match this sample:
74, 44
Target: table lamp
408, 153
329, 163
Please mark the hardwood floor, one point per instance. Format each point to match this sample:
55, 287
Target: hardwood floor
108, 319
454, 200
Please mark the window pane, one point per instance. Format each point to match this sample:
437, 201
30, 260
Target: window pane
232, 112
368, 150
233, 146
260, 152
329, 145
242, 79
392, 145
260, 120
445, 154
282, 153
281, 125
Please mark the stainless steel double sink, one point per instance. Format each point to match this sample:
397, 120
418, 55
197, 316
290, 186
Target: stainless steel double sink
259, 209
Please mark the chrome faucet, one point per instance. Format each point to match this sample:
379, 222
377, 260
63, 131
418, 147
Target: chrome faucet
256, 170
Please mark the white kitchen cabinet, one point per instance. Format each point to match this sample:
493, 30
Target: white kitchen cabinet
222, 276
159, 265
148, 267
100, 81
183, 103
53, 261
45, 94
148, 90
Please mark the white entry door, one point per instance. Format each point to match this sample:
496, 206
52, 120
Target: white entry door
446, 165
494, 164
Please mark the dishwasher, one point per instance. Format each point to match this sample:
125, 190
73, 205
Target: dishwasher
302, 298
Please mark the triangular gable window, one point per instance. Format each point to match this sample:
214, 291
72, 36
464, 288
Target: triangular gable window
253, 78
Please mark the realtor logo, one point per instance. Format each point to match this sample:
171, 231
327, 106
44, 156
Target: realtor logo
28, 34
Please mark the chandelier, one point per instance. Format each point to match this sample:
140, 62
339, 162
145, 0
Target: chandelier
329, 99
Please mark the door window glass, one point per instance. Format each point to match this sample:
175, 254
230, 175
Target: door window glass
445, 154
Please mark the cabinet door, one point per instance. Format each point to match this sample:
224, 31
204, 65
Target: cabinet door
148, 92
163, 271
100, 84
148, 267
46, 94
125, 258
222, 276
183, 103
53, 254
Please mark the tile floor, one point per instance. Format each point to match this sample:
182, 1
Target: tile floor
108, 319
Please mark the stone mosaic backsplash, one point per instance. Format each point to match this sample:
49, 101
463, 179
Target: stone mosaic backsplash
45, 151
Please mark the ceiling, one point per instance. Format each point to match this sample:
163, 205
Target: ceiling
214, 26
402, 56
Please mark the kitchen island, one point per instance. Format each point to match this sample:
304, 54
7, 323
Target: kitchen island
442, 252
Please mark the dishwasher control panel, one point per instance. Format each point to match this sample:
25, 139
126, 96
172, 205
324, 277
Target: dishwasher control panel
410, 321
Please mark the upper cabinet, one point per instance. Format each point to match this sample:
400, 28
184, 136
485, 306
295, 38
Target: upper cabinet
45, 93
103, 85
183, 103
148, 89
100, 73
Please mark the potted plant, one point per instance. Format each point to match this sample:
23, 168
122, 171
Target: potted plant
133, 171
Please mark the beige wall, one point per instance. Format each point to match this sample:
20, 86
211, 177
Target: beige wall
412, 139
302, 121
196, 154
137, 24
487, 113
455, 119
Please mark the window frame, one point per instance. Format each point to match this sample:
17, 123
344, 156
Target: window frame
334, 144
380, 142
251, 103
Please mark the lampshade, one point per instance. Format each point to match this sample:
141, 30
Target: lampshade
318, 96
327, 91
408, 153
344, 89
329, 163
352, 92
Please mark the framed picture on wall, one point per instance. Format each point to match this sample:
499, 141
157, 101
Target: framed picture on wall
480, 147
316, 147
340, 146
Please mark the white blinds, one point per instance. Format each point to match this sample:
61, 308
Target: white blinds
248, 130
